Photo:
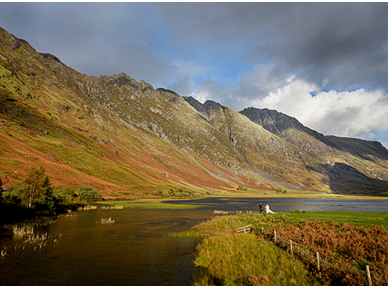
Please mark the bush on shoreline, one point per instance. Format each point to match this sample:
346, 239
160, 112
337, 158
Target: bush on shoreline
35, 196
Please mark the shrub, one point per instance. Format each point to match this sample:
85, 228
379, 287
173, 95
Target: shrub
66, 195
89, 195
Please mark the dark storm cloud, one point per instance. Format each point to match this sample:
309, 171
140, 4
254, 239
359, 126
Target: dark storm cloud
342, 45
94, 38
267, 55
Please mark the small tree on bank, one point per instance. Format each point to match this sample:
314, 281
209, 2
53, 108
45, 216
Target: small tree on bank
36, 187
89, 195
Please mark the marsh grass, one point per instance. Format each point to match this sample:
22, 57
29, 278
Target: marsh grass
227, 258
21, 231
241, 259
112, 207
147, 204
3, 251
221, 212
353, 218
107, 220
88, 207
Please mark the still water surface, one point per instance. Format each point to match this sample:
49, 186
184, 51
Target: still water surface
136, 249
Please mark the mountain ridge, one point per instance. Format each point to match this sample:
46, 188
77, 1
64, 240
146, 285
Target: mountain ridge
117, 134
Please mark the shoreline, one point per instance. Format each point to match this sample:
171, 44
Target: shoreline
238, 195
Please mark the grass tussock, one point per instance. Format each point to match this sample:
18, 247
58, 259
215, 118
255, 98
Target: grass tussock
241, 259
221, 212
88, 207
21, 231
227, 258
107, 220
112, 207
3, 251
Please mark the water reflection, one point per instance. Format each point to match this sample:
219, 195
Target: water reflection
136, 250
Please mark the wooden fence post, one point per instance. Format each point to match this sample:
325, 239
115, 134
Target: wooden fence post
319, 267
291, 246
274, 234
368, 273
245, 232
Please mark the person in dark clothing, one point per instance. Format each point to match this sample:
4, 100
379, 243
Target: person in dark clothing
261, 207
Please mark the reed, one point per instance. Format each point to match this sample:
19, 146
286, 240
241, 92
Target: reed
107, 220
3, 251
89, 207
21, 231
221, 212
112, 207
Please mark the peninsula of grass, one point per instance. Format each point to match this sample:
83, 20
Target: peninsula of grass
147, 204
350, 240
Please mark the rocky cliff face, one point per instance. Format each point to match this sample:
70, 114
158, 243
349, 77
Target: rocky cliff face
117, 134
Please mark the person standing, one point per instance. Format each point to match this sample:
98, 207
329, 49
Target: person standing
261, 207
267, 210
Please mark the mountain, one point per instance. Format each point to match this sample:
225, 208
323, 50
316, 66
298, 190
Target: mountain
127, 138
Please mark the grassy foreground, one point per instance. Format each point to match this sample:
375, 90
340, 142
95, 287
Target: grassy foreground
227, 258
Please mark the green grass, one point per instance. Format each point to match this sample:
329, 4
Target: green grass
147, 204
353, 218
238, 259
226, 258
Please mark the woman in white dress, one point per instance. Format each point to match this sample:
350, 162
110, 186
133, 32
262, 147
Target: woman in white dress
267, 210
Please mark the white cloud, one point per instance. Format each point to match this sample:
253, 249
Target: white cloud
201, 96
358, 113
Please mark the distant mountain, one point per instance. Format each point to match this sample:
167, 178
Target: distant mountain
116, 134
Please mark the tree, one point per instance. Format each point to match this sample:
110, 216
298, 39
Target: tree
66, 195
89, 195
36, 187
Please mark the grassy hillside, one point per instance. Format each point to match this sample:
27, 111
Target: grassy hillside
119, 135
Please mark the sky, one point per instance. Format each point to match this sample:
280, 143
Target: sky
325, 64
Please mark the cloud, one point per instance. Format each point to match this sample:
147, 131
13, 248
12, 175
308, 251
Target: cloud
358, 113
344, 44
268, 55
95, 38
249, 86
